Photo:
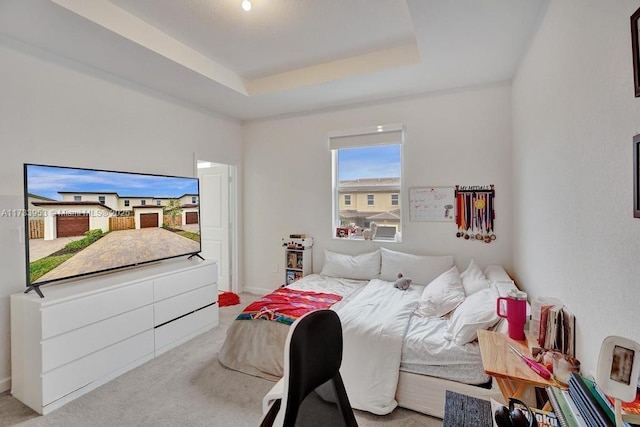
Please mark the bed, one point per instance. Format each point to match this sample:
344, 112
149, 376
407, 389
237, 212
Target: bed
402, 348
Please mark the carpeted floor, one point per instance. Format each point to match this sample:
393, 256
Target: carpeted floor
186, 386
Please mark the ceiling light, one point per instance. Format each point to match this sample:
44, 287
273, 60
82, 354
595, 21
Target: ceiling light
246, 5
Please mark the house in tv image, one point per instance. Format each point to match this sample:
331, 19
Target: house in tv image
129, 230
79, 212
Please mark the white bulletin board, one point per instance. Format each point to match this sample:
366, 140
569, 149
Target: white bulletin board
432, 204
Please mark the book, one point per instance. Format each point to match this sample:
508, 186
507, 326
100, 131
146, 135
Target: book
545, 418
542, 331
602, 399
290, 277
557, 329
587, 404
562, 409
630, 410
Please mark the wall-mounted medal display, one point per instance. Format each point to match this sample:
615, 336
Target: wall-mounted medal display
475, 214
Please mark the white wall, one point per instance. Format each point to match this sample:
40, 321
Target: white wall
59, 113
574, 118
452, 138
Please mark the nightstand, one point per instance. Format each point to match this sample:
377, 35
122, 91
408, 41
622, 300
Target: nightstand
513, 376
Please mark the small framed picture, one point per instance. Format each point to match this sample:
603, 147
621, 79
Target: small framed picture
619, 367
635, 46
342, 232
636, 177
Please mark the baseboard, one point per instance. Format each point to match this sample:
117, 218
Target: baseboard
5, 384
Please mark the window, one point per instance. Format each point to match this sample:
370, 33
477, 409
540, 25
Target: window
77, 198
367, 179
194, 199
126, 203
158, 203
101, 199
143, 202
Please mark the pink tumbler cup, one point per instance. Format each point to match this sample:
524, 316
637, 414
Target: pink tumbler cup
516, 304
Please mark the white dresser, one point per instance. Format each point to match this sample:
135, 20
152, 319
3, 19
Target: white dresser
87, 332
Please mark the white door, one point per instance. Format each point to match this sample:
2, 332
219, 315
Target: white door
214, 218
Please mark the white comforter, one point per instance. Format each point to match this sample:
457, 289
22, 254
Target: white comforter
373, 326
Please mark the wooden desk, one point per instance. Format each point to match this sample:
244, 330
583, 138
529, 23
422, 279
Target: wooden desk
461, 410
511, 373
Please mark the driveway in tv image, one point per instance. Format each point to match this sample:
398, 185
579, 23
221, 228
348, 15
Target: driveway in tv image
124, 247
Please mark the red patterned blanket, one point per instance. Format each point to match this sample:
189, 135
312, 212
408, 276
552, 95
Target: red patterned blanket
285, 305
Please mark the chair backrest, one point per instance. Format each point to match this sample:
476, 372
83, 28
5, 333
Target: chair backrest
313, 354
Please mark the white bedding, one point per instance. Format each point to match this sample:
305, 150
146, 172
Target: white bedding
425, 351
373, 327
381, 337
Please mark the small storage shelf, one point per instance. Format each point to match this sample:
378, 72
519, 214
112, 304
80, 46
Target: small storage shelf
298, 259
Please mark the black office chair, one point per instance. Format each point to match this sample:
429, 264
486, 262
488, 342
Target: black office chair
313, 354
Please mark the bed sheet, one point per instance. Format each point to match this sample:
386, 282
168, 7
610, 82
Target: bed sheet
425, 351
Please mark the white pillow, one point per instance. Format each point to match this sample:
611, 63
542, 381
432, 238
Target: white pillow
358, 267
419, 268
473, 279
477, 311
442, 295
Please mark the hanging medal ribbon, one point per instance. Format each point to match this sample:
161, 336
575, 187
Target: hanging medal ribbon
475, 213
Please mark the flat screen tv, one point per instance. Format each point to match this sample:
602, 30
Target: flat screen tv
86, 221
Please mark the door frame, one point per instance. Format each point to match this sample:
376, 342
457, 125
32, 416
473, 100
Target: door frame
234, 241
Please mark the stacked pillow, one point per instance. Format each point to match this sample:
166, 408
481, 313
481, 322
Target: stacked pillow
469, 296
358, 267
385, 264
421, 269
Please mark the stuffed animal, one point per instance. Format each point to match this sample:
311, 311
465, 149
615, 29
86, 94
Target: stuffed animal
402, 283
370, 233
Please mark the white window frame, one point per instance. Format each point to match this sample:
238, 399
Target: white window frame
395, 197
365, 137
347, 201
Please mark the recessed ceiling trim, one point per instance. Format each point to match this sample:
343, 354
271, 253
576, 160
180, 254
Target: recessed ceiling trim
115, 19
408, 54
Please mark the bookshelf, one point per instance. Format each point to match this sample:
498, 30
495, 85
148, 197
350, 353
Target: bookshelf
298, 259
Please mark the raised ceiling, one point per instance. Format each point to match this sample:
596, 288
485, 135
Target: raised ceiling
284, 56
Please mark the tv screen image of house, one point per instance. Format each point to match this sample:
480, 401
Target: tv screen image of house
85, 221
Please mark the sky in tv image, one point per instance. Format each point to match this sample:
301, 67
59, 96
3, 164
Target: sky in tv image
47, 181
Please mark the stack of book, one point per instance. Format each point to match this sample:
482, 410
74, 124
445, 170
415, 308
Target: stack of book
564, 408
556, 330
585, 405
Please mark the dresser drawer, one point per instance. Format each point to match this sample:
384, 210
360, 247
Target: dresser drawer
73, 345
182, 329
173, 308
174, 284
70, 377
70, 315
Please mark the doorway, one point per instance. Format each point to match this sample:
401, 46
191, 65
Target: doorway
218, 220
